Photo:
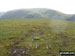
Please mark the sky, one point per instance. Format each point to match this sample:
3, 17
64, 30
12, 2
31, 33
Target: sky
65, 6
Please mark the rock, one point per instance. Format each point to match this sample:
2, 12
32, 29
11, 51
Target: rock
23, 52
37, 46
36, 38
49, 47
15, 51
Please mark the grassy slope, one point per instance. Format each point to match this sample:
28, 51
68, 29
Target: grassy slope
19, 32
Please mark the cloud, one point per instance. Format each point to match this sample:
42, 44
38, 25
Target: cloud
65, 6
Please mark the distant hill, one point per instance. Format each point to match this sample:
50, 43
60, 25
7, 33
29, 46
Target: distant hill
1, 13
35, 13
71, 18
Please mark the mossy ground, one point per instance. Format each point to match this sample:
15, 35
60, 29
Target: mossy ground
60, 35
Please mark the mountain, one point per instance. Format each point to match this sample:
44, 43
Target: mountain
71, 18
1, 13
39, 13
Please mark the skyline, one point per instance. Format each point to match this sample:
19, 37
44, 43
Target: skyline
64, 6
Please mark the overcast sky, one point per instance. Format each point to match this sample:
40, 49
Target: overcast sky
65, 6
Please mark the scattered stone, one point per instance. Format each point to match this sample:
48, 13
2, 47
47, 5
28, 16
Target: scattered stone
37, 46
49, 47
18, 51
36, 38
15, 51
23, 52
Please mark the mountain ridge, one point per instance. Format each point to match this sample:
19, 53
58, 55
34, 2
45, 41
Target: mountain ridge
39, 13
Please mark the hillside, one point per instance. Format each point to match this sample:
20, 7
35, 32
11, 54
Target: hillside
35, 13
36, 37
